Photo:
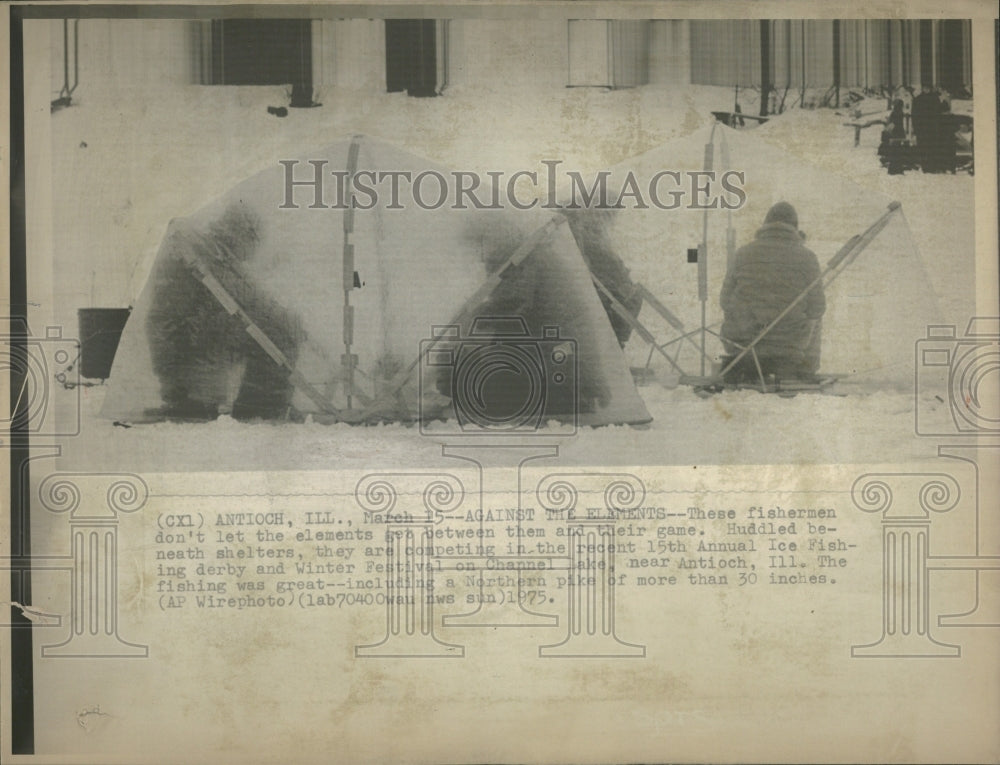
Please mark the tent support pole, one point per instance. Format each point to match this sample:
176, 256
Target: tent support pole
654, 303
644, 333
349, 359
228, 302
703, 247
530, 243
703, 250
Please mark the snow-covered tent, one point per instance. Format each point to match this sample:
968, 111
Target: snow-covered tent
275, 302
877, 307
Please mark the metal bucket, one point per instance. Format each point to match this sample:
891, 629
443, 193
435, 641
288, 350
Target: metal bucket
100, 331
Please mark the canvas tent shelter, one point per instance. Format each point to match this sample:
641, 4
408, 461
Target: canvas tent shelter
878, 306
261, 305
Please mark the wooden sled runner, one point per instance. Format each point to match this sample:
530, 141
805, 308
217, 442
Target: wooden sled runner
785, 387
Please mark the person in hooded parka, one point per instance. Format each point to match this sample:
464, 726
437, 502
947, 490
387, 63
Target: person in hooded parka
928, 126
765, 277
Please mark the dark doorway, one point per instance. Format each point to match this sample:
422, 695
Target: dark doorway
263, 52
926, 52
411, 56
951, 54
765, 65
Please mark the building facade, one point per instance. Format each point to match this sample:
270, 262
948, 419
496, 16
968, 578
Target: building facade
425, 57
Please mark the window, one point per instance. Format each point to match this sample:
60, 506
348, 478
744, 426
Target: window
258, 52
608, 53
416, 56
954, 56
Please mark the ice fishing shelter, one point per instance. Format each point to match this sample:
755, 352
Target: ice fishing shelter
268, 305
877, 308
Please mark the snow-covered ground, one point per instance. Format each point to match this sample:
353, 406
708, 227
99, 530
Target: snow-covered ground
123, 167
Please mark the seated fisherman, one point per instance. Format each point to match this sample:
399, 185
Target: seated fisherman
892, 150
764, 278
928, 127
